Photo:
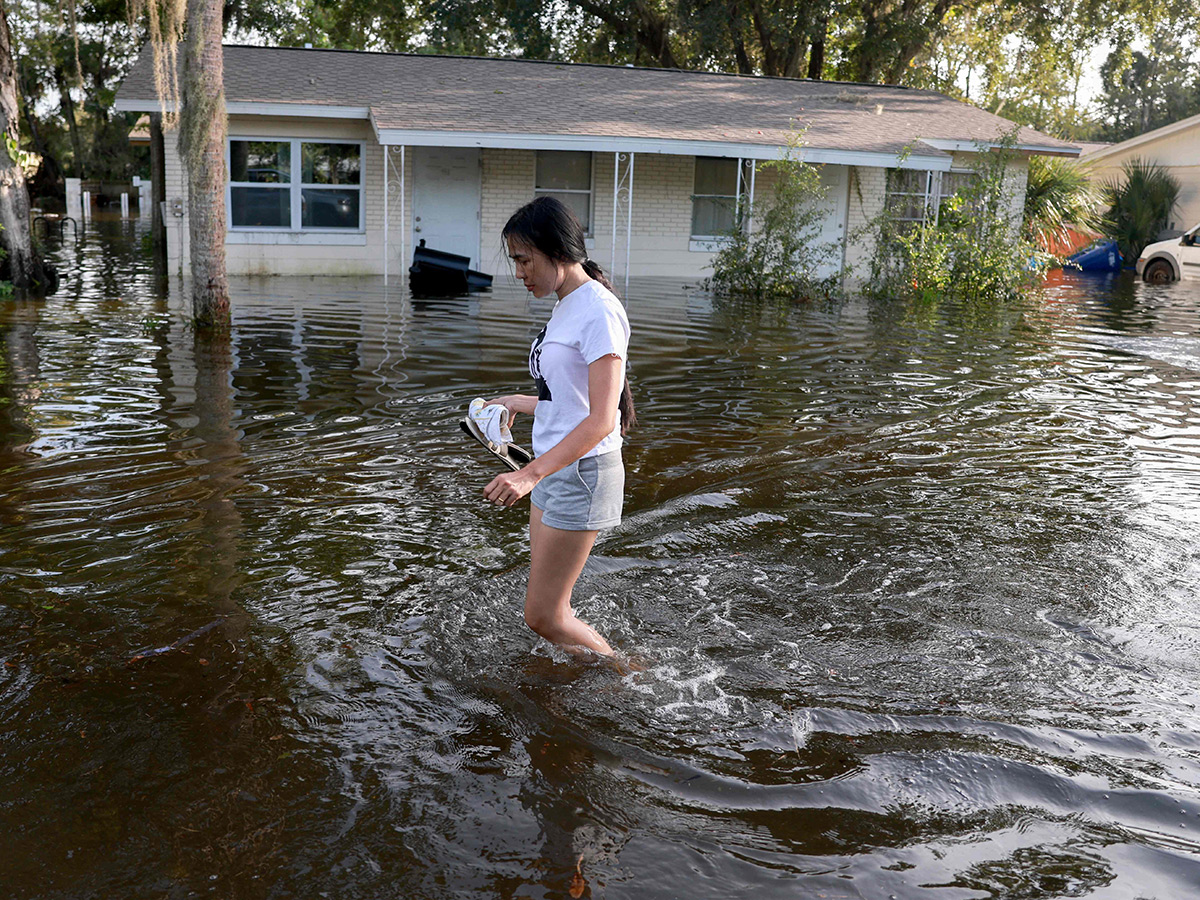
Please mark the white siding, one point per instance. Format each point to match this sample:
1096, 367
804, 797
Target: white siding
1179, 153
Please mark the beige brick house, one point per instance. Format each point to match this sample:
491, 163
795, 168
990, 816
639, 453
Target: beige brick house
340, 162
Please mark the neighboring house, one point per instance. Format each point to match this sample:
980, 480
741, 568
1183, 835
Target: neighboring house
1175, 147
340, 161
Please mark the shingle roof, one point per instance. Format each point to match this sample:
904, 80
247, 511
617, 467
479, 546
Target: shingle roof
419, 92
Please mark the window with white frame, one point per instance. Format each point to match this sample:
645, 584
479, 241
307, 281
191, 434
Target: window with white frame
911, 193
908, 196
714, 197
295, 185
566, 175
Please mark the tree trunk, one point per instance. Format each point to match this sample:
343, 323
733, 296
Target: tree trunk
745, 67
202, 140
25, 269
650, 29
816, 53
913, 40
68, 108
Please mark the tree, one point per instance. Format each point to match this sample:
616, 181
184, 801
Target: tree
1144, 90
202, 143
197, 107
26, 269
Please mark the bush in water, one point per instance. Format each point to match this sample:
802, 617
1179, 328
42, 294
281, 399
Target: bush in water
773, 250
966, 242
1140, 205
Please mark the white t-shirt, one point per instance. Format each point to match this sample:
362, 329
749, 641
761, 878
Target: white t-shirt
587, 324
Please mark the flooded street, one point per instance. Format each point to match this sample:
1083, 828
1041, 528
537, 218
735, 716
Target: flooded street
915, 588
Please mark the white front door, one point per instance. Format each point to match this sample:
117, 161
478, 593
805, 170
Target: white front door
446, 200
832, 239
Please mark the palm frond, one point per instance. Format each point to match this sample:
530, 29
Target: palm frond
1060, 196
1140, 205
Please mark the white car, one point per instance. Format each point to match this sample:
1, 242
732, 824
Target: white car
1171, 260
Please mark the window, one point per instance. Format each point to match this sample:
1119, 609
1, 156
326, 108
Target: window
566, 175
910, 193
907, 196
267, 192
259, 178
714, 197
955, 183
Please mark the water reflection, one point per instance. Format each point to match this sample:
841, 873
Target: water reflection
912, 586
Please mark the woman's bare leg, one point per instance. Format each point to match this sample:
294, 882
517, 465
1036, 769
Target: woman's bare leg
557, 559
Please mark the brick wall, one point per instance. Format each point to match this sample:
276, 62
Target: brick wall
868, 190
662, 210
507, 184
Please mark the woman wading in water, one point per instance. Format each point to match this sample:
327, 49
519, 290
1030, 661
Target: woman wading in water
582, 409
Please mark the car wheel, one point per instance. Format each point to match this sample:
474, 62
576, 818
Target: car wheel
1158, 272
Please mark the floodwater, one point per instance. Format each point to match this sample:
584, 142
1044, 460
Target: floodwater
914, 589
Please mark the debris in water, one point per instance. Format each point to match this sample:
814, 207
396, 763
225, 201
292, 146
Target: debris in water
159, 651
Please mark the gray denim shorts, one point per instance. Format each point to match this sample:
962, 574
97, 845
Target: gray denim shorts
584, 496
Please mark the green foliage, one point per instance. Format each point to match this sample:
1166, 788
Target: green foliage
1149, 78
967, 249
1140, 205
774, 251
1059, 195
1023, 61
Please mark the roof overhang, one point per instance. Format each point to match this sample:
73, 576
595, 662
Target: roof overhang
1131, 143
249, 108
959, 146
939, 160
618, 144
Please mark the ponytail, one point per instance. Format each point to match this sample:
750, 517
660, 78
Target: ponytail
625, 404
593, 270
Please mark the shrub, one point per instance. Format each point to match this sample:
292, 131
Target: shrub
1140, 205
774, 250
1060, 196
968, 247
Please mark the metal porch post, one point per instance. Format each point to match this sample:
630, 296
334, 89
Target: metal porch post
612, 265
403, 240
622, 187
628, 225
389, 153
387, 189
753, 172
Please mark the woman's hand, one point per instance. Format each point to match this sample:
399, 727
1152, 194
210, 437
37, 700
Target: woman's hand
507, 489
515, 403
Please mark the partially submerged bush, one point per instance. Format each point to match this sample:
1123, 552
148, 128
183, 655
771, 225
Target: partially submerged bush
774, 250
967, 246
1140, 205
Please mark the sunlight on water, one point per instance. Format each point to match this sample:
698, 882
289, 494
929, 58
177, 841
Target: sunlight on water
909, 592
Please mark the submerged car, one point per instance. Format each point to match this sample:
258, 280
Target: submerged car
1171, 260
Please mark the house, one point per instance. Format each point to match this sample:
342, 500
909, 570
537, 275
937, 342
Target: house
339, 162
1175, 147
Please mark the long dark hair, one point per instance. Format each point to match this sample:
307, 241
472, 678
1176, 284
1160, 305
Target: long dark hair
549, 225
